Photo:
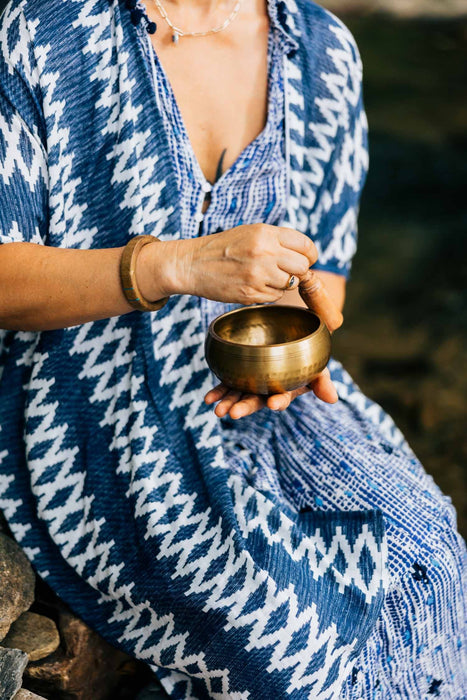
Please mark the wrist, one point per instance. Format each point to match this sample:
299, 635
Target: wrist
157, 271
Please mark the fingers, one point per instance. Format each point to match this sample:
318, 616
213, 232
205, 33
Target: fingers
233, 402
290, 263
293, 263
279, 402
323, 387
249, 403
270, 294
239, 405
316, 297
216, 394
298, 242
227, 401
281, 279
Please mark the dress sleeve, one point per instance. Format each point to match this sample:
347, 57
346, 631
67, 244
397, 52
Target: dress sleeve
23, 157
333, 222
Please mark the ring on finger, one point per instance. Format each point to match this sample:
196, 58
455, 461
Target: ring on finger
291, 282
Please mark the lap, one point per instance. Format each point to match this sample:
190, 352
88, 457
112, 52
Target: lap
348, 457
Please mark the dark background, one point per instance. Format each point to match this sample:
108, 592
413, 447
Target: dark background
405, 333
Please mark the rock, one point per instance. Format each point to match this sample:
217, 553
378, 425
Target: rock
24, 694
85, 666
12, 664
34, 634
17, 588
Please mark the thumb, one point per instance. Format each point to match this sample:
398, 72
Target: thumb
316, 297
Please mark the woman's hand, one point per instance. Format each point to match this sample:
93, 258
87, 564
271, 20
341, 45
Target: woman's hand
248, 264
238, 405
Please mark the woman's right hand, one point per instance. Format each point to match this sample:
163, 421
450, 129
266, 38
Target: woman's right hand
248, 264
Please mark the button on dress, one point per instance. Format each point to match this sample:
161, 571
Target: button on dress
303, 554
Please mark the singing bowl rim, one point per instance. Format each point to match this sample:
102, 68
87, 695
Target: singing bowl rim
287, 344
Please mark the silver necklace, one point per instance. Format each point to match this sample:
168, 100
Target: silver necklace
177, 32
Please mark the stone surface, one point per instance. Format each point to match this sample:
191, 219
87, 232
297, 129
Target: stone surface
17, 583
34, 634
12, 664
27, 695
83, 667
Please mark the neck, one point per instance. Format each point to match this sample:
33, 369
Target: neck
208, 11
204, 6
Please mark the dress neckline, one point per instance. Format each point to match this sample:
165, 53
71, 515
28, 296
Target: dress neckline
206, 184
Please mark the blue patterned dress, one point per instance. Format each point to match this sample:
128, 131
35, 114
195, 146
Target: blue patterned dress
300, 554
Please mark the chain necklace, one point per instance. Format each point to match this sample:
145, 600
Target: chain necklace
177, 32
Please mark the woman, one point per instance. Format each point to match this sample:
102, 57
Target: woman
242, 553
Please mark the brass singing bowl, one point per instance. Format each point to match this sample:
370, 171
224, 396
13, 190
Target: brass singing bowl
267, 349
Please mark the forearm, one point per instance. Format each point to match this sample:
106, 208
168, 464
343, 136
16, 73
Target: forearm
44, 288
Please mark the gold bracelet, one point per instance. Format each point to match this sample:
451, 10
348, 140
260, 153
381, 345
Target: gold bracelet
128, 275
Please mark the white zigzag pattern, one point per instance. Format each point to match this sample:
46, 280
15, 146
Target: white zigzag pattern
343, 243
292, 13
105, 578
39, 407
218, 547
234, 603
153, 514
353, 144
172, 545
140, 178
325, 133
18, 53
77, 503
66, 216
192, 336
169, 685
182, 659
9, 505
14, 133
319, 557
343, 87
48, 431
14, 234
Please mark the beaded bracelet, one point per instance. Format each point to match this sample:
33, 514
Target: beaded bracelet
128, 275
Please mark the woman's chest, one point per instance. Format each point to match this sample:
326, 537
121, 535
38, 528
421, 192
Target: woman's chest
222, 96
253, 187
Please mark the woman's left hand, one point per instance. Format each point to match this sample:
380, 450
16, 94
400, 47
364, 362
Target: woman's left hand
238, 405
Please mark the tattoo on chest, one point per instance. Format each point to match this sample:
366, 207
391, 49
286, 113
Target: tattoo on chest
219, 165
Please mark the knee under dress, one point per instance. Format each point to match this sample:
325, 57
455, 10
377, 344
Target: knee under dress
301, 554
